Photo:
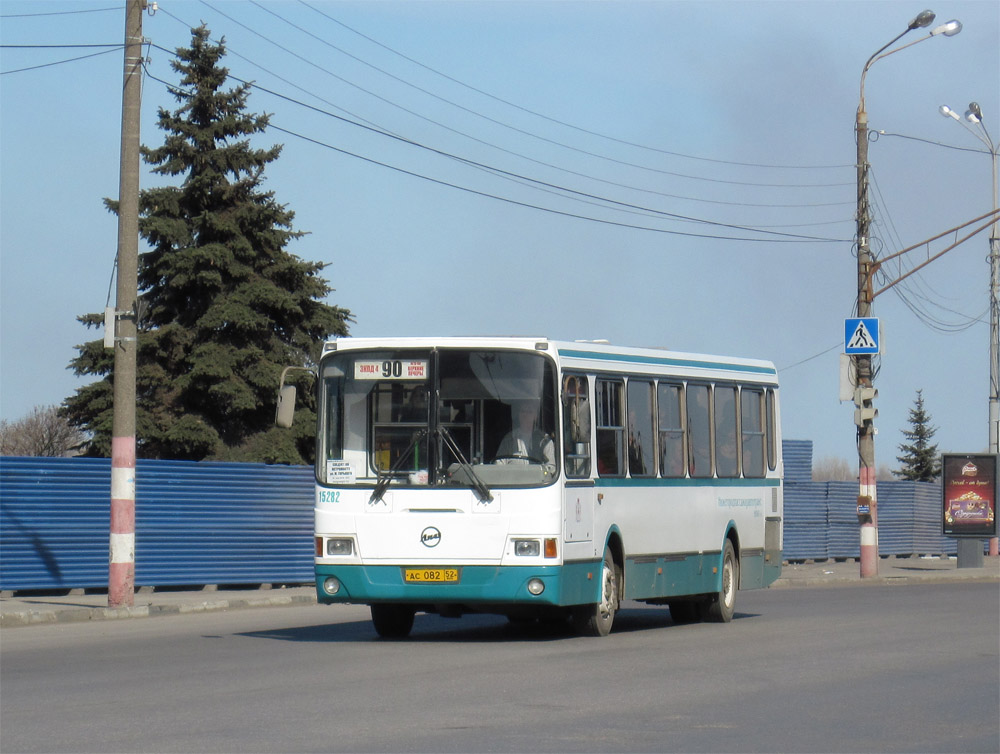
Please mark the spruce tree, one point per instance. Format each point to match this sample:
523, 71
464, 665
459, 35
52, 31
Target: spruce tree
223, 305
920, 460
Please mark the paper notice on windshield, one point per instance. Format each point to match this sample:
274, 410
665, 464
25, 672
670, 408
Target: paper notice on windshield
339, 472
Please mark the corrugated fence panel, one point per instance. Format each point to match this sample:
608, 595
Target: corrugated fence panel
233, 523
897, 518
797, 457
805, 521
54, 522
843, 536
196, 523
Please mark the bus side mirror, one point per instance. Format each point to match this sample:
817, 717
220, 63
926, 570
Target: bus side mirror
284, 416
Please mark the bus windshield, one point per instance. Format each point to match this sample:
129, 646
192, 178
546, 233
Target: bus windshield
414, 417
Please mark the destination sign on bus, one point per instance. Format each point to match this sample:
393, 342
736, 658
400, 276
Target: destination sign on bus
390, 369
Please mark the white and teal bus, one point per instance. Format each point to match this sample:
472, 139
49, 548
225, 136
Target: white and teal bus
540, 479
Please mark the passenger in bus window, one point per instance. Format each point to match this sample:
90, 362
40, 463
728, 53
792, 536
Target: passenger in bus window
414, 408
525, 443
638, 451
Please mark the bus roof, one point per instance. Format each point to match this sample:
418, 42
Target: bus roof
593, 355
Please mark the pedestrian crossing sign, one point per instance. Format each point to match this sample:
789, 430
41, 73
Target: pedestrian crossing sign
861, 335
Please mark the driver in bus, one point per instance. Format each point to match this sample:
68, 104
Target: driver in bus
525, 443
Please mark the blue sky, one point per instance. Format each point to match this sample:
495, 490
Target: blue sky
670, 174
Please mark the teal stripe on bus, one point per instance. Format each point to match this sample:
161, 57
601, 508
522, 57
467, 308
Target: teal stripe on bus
656, 482
668, 362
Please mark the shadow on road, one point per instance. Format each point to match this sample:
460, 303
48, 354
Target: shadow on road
476, 629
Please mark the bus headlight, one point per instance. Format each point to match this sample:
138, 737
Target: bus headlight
331, 585
536, 586
527, 547
340, 546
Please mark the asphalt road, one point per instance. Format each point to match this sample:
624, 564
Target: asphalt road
875, 669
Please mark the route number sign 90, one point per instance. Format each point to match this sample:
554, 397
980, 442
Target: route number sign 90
390, 369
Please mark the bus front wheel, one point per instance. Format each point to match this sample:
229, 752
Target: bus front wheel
392, 621
596, 619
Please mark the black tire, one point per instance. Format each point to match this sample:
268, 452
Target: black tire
597, 619
720, 607
392, 621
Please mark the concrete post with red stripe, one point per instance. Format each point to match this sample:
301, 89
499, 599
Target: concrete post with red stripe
869, 522
121, 565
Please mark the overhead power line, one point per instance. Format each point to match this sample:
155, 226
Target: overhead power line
552, 142
116, 9
578, 196
783, 238
560, 122
545, 184
59, 62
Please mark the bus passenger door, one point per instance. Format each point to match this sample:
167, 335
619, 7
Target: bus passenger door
578, 513
579, 492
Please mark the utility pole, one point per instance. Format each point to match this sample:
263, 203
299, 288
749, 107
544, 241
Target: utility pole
864, 392
863, 365
121, 565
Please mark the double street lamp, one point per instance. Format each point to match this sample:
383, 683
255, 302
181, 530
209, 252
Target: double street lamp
865, 393
974, 115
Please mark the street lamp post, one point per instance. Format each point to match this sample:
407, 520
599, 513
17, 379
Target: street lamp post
975, 115
865, 393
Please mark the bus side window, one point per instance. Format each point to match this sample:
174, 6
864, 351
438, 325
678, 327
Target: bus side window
752, 430
610, 428
699, 431
641, 453
727, 462
669, 403
771, 424
576, 425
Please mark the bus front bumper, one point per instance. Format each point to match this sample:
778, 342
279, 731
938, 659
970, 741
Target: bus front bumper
570, 584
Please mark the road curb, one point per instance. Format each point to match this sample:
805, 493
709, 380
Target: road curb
31, 617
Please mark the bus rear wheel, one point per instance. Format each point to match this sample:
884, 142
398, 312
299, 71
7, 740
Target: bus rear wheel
392, 621
720, 607
597, 619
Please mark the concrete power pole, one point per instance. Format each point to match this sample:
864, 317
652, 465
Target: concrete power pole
863, 365
121, 566
864, 392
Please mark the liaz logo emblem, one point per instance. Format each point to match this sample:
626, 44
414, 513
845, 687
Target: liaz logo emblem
430, 537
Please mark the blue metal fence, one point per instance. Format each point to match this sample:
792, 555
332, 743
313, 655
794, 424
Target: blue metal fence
196, 523
821, 520
229, 523
797, 458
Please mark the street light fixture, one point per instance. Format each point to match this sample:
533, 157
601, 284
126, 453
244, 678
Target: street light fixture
949, 29
863, 363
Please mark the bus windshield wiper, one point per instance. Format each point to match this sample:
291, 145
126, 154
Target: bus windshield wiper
482, 491
385, 477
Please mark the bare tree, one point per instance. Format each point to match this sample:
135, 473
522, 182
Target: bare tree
838, 470
43, 432
834, 470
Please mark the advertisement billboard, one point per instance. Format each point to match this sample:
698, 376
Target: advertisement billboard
969, 492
